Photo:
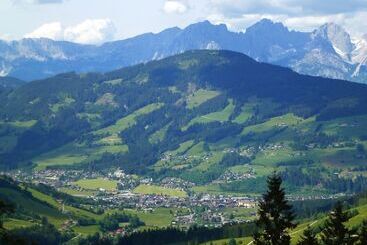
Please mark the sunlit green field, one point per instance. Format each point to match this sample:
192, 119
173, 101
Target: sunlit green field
245, 115
20, 124
281, 121
10, 224
129, 120
160, 217
199, 97
159, 135
219, 116
96, 184
81, 193
75, 154
87, 230
159, 190
242, 241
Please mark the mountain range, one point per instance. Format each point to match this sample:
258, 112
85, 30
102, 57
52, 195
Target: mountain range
328, 51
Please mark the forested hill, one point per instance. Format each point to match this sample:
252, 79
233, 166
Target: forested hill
10, 82
233, 73
203, 101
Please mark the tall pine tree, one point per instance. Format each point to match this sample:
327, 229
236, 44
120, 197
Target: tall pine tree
5, 208
275, 215
334, 231
308, 237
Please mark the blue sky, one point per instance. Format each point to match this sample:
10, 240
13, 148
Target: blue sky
97, 21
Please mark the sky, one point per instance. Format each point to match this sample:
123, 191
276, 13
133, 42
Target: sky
98, 21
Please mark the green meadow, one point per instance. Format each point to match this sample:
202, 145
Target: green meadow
199, 97
129, 120
218, 116
159, 190
96, 184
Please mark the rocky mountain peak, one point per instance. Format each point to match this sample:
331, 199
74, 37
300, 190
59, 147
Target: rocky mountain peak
339, 39
266, 25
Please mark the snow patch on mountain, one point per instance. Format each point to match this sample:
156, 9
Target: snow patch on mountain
212, 45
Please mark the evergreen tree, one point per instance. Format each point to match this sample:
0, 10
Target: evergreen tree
308, 237
275, 215
232, 242
362, 234
334, 231
5, 208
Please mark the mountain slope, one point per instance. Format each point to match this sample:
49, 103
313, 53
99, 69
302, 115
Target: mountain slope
28, 207
199, 116
10, 82
328, 51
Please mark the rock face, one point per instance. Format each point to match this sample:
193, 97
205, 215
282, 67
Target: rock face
327, 51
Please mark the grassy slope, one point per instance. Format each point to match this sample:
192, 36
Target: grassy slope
281, 121
10, 224
77, 153
199, 97
46, 206
220, 116
52, 202
35, 205
245, 115
77, 193
159, 135
13, 128
129, 120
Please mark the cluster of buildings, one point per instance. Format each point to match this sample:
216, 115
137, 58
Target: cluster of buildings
212, 207
128, 199
230, 176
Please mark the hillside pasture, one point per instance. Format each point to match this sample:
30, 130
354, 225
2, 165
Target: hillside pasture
199, 97
128, 121
218, 116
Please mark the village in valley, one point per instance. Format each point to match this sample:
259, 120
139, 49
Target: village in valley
116, 190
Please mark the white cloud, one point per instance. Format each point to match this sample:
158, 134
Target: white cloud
90, 31
174, 7
308, 23
36, 1
52, 30
356, 23
6, 37
288, 7
304, 15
